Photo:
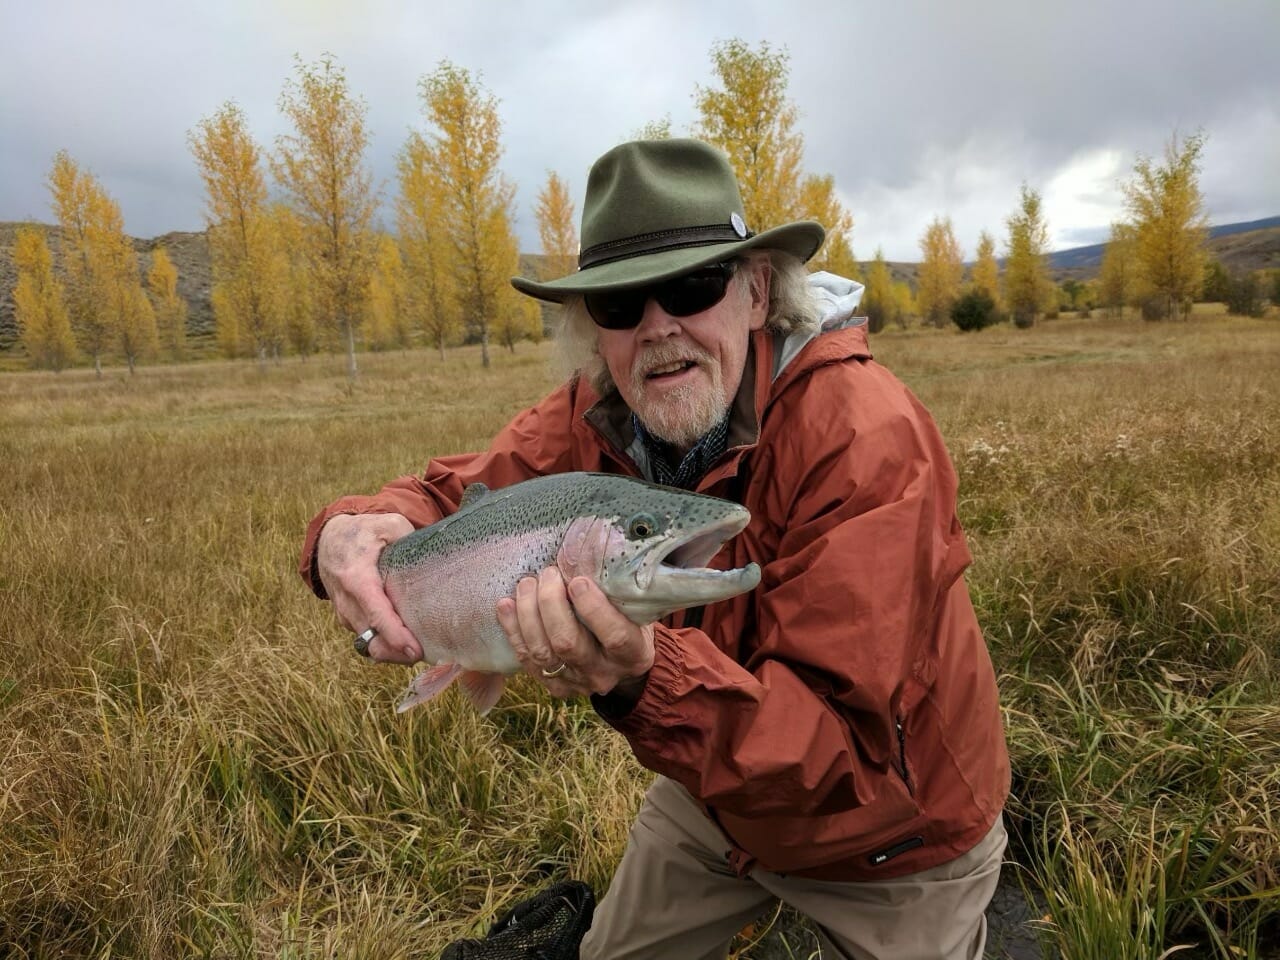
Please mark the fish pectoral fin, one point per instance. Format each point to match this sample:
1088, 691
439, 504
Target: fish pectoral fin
428, 684
482, 689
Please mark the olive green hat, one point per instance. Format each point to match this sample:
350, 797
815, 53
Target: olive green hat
658, 208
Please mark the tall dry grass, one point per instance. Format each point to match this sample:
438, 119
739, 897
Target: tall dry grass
192, 763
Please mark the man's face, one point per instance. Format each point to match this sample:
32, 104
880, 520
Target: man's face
680, 374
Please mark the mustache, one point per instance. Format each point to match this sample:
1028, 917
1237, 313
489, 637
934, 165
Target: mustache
662, 354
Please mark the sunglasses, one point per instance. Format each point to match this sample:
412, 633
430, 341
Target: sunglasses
681, 296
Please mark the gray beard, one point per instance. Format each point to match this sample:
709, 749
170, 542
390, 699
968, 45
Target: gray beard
689, 413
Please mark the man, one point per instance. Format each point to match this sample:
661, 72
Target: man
832, 738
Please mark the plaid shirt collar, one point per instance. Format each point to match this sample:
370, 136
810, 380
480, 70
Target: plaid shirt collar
693, 465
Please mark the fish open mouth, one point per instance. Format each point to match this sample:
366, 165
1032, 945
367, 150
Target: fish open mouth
693, 552
672, 573
684, 560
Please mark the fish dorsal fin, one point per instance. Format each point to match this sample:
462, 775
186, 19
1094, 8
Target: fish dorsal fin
474, 493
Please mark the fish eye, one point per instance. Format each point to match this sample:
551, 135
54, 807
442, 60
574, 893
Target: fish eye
641, 527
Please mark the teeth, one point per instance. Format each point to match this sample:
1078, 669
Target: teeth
669, 368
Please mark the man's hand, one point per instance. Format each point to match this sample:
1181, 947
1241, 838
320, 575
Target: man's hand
549, 625
347, 560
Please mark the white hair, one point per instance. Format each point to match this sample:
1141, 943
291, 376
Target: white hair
791, 308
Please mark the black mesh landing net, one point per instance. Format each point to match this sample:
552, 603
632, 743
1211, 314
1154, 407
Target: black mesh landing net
548, 926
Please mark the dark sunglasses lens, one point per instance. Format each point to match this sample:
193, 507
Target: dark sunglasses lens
618, 310
681, 297
694, 292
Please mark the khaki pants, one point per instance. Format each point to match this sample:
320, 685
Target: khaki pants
674, 897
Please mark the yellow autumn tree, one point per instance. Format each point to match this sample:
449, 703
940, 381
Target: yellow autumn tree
321, 167
170, 308
904, 302
818, 201
138, 337
751, 118
429, 255
294, 269
82, 211
519, 318
1166, 208
130, 313
940, 273
465, 150
878, 300
247, 282
1116, 274
655, 129
986, 271
386, 320
105, 297
557, 229
1027, 286
44, 325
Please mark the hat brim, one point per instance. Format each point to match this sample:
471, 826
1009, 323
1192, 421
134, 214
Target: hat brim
801, 239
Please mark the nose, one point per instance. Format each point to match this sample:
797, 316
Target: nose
655, 323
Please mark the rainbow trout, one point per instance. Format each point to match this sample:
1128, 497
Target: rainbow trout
646, 545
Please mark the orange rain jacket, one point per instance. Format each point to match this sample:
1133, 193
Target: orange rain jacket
840, 721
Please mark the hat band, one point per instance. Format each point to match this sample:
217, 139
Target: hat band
660, 240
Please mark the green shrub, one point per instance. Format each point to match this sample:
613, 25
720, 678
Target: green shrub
974, 310
1243, 296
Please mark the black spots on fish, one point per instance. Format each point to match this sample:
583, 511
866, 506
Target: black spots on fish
553, 501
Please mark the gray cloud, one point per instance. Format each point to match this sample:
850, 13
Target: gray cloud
918, 109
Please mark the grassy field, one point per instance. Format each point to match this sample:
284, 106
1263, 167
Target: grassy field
193, 763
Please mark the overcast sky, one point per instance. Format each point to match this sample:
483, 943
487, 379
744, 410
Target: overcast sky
918, 109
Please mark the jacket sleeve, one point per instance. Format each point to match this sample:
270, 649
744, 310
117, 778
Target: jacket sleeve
840, 630
535, 442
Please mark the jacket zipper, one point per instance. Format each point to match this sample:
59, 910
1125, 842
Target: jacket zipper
902, 755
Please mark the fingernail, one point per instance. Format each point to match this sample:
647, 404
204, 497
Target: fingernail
410, 652
578, 588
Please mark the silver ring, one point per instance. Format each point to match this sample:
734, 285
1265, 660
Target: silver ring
556, 672
361, 642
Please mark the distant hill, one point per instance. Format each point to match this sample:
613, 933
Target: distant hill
1233, 255
1240, 247
188, 251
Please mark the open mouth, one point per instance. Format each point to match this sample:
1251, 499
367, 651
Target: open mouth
670, 369
685, 558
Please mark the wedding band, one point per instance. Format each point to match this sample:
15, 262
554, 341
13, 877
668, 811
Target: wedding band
361, 642
556, 672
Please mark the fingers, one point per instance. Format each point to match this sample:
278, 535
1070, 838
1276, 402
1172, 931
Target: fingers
547, 631
545, 621
347, 560
369, 607
628, 647
569, 642
545, 635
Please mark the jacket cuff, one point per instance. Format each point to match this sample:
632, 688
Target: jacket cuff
617, 703
659, 690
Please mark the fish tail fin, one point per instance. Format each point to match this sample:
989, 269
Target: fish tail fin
482, 689
428, 684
